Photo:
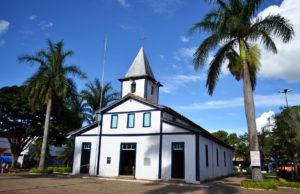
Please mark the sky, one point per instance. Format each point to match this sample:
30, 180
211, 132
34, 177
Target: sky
161, 27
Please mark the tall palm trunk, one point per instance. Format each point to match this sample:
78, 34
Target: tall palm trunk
250, 112
45, 137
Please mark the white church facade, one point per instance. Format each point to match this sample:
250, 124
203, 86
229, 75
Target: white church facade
139, 137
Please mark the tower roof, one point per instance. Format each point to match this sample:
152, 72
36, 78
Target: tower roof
140, 66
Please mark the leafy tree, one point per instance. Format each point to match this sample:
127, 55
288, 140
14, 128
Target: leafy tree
34, 152
50, 81
67, 154
287, 136
240, 144
232, 29
92, 95
18, 123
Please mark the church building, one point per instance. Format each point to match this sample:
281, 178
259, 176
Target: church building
141, 138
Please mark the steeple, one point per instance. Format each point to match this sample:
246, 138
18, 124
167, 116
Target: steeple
140, 79
140, 66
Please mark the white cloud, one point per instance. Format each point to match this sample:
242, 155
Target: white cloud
4, 25
32, 17
185, 54
164, 6
177, 81
267, 120
285, 64
2, 42
275, 100
184, 39
46, 25
123, 3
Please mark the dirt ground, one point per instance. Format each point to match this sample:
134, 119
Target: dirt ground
24, 183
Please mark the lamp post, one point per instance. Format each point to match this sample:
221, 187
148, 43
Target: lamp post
285, 91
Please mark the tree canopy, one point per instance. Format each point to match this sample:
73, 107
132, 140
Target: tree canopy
18, 123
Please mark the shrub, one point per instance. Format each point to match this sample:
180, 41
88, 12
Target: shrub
267, 184
60, 169
286, 183
46, 171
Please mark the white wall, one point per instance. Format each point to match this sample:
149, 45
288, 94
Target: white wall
131, 105
189, 154
140, 87
77, 153
146, 147
213, 170
154, 97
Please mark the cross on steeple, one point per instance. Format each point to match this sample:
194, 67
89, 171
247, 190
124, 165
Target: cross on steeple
143, 39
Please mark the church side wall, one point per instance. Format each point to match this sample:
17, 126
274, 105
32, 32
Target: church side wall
147, 148
77, 153
213, 170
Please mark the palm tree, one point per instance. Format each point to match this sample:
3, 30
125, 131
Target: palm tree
50, 81
92, 96
232, 29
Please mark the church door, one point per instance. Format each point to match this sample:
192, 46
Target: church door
178, 160
127, 159
85, 157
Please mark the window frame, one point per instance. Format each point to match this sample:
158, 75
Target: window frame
217, 152
128, 116
206, 156
149, 119
111, 121
224, 158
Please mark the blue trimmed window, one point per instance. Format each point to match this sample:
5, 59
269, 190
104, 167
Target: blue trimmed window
114, 121
147, 119
130, 121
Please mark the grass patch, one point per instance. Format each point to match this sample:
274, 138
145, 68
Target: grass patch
267, 184
36, 170
286, 183
60, 169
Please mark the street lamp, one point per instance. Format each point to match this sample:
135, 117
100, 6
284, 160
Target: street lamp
285, 91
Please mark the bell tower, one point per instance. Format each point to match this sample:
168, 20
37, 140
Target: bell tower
140, 80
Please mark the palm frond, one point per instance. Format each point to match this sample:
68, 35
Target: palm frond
216, 64
201, 54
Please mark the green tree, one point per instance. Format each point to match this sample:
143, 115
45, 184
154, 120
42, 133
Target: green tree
286, 136
50, 81
231, 25
18, 123
92, 95
67, 154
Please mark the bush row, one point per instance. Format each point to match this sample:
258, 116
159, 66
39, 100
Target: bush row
269, 184
50, 170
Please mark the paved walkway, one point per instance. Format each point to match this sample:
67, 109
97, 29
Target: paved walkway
24, 183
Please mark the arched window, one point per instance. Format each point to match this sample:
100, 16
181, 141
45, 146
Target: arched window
133, 87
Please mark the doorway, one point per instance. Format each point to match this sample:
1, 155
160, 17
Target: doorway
127, 159
177, 160
85, 157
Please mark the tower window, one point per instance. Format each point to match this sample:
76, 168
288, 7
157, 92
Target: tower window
152, 90
133, 87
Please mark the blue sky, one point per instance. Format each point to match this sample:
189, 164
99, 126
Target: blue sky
83, 25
